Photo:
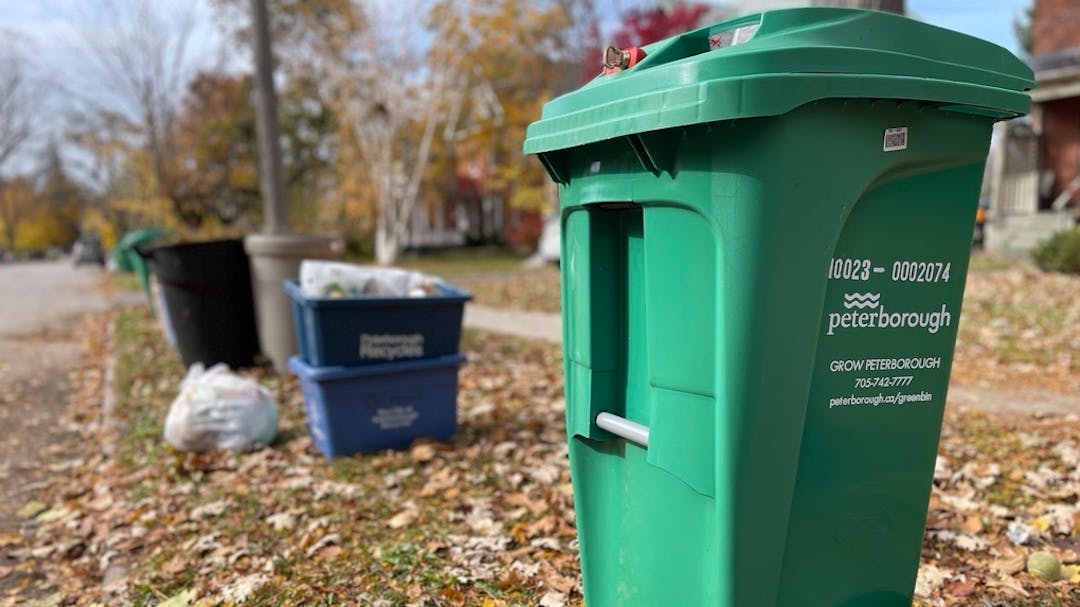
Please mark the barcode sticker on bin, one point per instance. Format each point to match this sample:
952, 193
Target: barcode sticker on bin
895, 139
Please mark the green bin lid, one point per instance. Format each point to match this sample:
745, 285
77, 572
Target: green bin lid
780, 60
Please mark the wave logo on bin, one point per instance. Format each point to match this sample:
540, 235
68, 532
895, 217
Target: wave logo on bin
861, 300
391, 346
867, 312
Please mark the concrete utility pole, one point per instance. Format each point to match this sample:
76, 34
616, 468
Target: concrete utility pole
271, 182
276, 253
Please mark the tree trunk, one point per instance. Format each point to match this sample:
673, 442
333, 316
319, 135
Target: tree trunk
387, 241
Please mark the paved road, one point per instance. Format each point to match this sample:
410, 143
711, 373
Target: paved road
40, 302
41, 307
34, 294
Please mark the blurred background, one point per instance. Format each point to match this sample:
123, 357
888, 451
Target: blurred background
401, 122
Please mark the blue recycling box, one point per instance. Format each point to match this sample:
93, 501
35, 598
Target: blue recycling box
376, 407
371, 330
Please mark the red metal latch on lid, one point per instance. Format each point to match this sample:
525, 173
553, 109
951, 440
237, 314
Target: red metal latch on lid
617, 60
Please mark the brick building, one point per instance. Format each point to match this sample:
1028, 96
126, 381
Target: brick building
1056, 112
1034, 176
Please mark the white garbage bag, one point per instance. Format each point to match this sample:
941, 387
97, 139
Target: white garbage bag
217, 409
320, 279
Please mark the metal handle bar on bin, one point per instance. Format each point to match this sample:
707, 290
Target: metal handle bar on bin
624, 428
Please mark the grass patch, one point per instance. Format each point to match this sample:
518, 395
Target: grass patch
1019, 324
142, 399
988, 261
455, 262
125, 281
533, 289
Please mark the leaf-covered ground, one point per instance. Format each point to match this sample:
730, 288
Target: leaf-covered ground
486, 519
1020, 327
531, 290
1004, 488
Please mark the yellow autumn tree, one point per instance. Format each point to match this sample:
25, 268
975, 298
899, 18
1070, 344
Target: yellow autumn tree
16, 205
515, 56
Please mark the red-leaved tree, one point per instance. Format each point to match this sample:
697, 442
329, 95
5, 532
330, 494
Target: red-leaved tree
643, 26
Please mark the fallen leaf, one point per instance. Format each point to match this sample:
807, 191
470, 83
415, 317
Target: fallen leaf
1068, 572
242, 589
52, 600
553, 599
31, 510
546, 474
282, 521
423, 453
525, 571
212, 509
930, 578
330, 553
454, 596
402, 519
182, 599
1010, 565
174, 565
964, 587
972, 524
54, 514
323, 542
1009, 584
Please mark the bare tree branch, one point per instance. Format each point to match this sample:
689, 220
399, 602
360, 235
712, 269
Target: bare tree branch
16, 101
143, 61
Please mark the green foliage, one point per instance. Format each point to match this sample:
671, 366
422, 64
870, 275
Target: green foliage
1061, 253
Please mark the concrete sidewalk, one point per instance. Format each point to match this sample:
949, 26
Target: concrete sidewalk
530, 325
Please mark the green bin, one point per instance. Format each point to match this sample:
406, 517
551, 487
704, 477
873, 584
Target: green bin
128, 259
766, 227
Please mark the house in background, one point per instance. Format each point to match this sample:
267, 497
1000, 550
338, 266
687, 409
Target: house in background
1035, 167
465, 212
469, 214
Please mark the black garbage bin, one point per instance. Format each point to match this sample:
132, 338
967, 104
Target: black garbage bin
207, 289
